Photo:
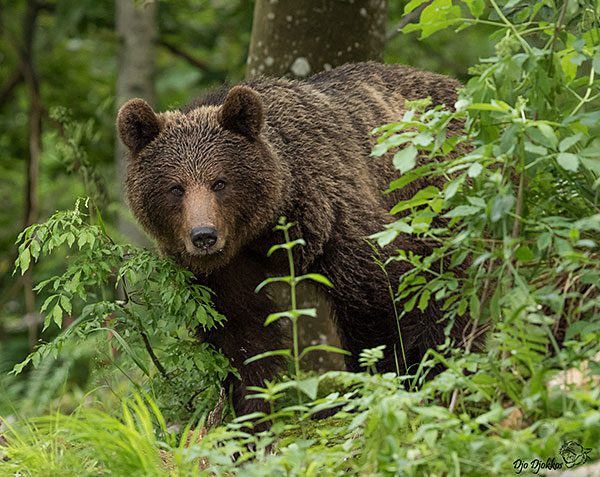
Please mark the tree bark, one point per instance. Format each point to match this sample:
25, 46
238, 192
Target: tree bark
137, 30
303, 37
297, 39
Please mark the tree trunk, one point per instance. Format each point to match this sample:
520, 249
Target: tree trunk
28, 71
303, 37
137, 31
298, 39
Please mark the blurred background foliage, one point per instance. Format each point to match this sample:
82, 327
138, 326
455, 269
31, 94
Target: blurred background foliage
74, 49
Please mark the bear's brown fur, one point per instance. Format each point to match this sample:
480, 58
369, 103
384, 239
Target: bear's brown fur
240, 158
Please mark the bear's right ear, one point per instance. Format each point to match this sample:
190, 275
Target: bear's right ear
242, 112
137, 124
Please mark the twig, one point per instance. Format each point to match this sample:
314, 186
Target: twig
145, 338
153, 357
558, 27
519, 208
195, 62
409, 18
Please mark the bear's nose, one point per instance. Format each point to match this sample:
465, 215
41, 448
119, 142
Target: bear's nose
203, 237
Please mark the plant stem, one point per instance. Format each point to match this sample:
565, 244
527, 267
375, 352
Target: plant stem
558, 26
588, 91
294, 307
507, 22
516, 230
153, 357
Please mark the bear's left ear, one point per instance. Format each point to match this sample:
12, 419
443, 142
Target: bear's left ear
242, 112
137, 124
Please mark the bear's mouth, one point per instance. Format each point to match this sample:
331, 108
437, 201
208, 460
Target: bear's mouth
210, 252
216, 250
200, 261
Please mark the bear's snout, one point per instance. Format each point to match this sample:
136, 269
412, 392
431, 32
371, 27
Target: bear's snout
203, 237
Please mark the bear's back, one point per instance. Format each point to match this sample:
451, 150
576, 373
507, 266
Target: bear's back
321, 126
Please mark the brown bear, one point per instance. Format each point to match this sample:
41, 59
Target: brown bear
210, 181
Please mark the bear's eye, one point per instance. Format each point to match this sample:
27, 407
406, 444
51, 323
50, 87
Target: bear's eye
177, 191
218, 185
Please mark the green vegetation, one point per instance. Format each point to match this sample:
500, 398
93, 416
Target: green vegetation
123, 387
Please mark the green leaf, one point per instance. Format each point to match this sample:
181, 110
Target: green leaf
315, 277
476, 7
569, 142
125, 346
462, 306
410, 6
494, 415
405, 159
596, 61
462, 211
269, 354
474, 170
500, 206
476, 201
35, 248
291, 314
424, 300
410, 304
524, 254
324, 347
24, 260
285, 246
581, 328
422, 197
568, 161
544, 240
65, 304
47, 303
535, 149
548, 133
57, 315
270, 280
498, 106
452, 187
402, 181
309, 387
439, 14
384, 237
423, 139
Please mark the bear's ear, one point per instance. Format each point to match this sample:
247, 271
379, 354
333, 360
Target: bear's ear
137, 124
242, 112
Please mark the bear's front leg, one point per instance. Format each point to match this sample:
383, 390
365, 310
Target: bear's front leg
244, 334
239, 343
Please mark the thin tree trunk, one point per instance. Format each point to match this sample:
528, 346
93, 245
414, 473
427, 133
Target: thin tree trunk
31, 212
304, 37
297, 39
27, 64
137, 31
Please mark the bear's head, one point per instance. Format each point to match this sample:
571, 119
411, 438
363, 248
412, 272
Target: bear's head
203, 183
